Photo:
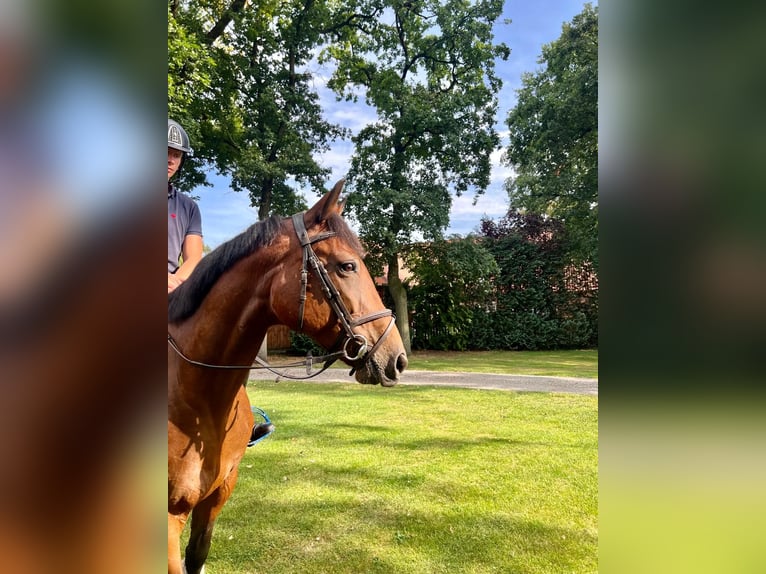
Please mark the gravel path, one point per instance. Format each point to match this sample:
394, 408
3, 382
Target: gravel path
530, 383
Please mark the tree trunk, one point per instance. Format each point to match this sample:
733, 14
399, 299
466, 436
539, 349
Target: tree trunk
399, 295
264, 202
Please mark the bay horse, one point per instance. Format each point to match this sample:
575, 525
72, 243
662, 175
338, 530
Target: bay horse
305, 272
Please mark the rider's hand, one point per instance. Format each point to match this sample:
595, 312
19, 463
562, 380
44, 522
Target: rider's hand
173, 282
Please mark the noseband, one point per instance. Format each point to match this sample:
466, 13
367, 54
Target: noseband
351, 346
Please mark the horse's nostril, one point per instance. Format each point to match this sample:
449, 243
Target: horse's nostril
401, 363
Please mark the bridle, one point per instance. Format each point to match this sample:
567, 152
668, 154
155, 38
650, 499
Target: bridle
351, 346
332, 294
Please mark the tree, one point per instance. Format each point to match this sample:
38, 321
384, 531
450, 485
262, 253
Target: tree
190, 71
427, 68
237, 79
450, 279
554, 135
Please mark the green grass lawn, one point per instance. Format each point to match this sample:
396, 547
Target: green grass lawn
578, 363
408, 480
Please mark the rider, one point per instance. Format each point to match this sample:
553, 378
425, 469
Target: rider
185, 232
184, 219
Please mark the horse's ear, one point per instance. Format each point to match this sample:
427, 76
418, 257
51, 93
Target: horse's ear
328, 205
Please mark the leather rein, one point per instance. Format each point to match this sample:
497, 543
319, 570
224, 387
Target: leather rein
353, 347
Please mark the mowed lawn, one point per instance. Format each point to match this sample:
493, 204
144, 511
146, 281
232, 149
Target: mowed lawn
579, 363
360, 479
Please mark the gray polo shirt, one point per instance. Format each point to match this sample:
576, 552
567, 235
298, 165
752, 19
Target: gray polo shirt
184, 219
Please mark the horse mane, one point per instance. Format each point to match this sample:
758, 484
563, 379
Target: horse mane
184, 301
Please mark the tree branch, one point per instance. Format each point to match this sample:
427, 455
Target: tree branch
403, 43
228, 15
350, 22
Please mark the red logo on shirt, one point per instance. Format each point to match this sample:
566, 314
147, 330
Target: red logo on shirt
173, 215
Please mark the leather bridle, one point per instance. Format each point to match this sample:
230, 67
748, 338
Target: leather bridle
350, 346
332, 294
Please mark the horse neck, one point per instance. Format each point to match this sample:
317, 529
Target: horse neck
232, 321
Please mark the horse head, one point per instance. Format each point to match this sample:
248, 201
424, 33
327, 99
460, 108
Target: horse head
325, 291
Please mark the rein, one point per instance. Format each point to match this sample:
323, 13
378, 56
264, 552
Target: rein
347, 339
308, 362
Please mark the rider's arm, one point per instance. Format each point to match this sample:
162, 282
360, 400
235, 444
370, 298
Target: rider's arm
191, 252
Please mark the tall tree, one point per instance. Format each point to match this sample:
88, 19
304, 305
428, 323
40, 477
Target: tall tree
451, 278
554, 135
190, 71
237, 75
427, 68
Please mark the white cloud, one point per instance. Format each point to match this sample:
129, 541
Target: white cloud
465, 216
353, 116
493, 201
338, 159
499, 172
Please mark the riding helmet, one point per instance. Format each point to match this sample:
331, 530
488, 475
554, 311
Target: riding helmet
177, 137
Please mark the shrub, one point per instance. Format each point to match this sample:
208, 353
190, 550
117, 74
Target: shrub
452, 277
301, 345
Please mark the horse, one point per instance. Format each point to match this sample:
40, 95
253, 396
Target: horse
305, 272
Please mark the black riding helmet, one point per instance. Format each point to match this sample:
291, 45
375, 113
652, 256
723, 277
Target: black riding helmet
178, 139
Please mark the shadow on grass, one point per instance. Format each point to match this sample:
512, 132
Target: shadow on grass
353, 434
347, 532
382, 436
289, 514
346, 489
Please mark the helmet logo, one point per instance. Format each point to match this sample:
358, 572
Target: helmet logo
174, 136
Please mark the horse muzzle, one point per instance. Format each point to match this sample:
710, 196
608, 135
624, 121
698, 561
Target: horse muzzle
380, 369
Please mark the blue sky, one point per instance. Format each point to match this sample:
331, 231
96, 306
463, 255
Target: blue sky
226, 213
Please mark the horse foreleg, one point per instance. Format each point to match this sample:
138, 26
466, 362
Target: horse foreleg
175, 527
203, 520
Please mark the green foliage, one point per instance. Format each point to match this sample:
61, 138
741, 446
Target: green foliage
554, 135
190, 70
536, 307
530, 331
451, 278
302, 345
237, 81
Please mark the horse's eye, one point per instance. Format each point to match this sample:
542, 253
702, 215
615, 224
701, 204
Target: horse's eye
348, 267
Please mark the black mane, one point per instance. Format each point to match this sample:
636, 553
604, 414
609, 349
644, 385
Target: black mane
186, 299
